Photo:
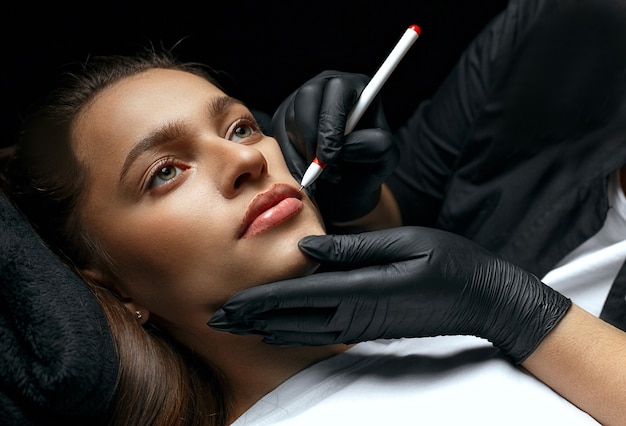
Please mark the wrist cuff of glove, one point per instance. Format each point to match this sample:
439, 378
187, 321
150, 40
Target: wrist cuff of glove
349, 208
537, 325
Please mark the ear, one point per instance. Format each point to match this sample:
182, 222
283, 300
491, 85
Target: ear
140, 312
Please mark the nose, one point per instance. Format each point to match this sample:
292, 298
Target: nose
240, 164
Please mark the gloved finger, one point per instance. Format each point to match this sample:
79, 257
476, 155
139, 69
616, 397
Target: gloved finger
319, 101
298, 316
340, 95
316, 291
369, 248
347, 326
380, 119
298, 320
294, 320
319, 295
308, 331
370, 146
288, 338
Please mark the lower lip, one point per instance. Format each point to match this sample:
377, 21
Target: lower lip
273, 216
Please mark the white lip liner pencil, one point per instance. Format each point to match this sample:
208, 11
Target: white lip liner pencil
367, 96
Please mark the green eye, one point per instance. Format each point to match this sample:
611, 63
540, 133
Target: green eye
241, 132
164, 174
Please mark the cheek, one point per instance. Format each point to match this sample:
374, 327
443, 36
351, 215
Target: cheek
179, 277
174, 250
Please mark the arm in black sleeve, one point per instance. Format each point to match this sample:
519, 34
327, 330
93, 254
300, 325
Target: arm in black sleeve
433, 137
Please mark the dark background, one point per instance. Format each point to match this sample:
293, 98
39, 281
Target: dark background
267, 48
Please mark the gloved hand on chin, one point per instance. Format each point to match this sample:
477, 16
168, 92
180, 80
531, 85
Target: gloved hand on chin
401, 282
311, 122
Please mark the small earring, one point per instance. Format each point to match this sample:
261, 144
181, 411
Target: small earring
138, 315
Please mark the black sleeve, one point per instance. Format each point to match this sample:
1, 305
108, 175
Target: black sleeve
431, 140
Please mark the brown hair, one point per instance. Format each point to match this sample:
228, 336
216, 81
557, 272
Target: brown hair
160, 382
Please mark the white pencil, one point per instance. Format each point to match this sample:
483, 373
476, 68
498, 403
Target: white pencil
367, 96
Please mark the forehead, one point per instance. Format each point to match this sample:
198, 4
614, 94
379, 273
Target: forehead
137, 104
153, 87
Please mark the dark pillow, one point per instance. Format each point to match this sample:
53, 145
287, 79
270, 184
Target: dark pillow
57, 360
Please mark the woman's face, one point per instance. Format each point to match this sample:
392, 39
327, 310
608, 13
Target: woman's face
188, 197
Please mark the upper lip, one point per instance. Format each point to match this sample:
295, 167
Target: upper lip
265, 200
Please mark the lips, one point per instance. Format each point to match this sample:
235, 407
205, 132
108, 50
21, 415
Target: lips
270, 208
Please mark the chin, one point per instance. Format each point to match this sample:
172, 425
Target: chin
286, 262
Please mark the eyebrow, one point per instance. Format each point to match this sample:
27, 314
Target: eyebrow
173, 130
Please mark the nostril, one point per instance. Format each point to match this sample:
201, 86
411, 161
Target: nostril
241, 179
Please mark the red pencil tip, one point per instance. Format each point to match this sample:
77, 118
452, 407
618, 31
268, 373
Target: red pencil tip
416, 28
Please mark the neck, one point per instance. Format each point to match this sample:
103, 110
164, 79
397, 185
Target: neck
253, 368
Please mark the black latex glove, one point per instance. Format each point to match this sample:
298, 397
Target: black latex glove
408, 282
311, 122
